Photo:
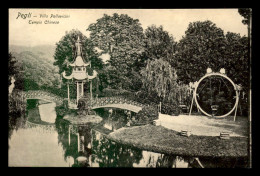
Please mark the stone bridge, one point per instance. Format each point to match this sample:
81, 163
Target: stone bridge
116, 102
43, 95
103, 102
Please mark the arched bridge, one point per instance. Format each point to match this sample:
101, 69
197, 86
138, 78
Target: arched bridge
104, 102
116, 102
43, 95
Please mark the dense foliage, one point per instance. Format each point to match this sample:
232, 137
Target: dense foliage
202, 46
159, 44
145, 65
246, 13
160, 78
147, 115
122, 38
65, 54
65, 51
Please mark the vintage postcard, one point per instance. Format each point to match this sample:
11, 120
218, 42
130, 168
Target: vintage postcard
129, 88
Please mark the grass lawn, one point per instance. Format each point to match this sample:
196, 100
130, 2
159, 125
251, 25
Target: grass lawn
205, 126
163, 140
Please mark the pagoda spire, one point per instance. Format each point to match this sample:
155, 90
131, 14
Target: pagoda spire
78, 47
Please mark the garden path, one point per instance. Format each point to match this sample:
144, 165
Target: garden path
204, 126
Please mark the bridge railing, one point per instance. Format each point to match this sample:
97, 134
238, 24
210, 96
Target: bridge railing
114, 100
42, 94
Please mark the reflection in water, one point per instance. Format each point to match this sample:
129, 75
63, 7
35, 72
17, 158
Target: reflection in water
113, 119
66, 145
35, 145
47, 112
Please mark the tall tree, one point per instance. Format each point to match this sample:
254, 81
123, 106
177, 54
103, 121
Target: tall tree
16, 70
202, 46
236, 59
121, 37
159, 78
158, 43
246, 13
65, 54
12, 68
65, 51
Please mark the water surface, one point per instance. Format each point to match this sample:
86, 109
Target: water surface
60, 144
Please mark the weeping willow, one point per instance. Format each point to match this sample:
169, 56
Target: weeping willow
158, 76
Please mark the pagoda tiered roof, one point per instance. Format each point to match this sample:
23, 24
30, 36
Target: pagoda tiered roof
79, 62
79, 66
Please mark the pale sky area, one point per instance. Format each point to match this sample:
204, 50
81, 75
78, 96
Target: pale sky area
175, 21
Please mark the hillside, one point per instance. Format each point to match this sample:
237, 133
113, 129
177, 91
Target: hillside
45, 51
37, 70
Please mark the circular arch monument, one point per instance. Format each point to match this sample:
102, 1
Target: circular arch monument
209, 75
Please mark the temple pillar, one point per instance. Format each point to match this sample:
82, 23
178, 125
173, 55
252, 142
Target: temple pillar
68, 93
90, 91
82, 88
77, 91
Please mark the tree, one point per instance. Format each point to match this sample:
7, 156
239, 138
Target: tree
246, 13
159, 78
65, 51
202, 46
12, 68
236, 59
15, 70
65, 54
121, 37
158, 43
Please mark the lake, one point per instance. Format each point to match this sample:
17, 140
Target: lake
53, 142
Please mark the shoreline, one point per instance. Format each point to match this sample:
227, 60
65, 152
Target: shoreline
197, 146
160, 139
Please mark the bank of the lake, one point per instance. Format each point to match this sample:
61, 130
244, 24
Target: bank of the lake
81, 120
162, 140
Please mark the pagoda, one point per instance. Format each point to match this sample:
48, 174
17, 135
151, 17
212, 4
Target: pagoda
79, 73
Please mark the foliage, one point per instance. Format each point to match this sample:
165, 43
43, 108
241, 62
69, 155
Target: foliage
237, 59
147, 114
16, 111
205, 45
121, 37
12, 68
158, 43
65, 51
36, 72
246, 13
160, 78
202, 46
65, 54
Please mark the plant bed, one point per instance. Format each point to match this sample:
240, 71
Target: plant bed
163, 140
100, 128
80, 120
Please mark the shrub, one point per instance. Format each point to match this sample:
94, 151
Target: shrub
147, 115
170, 109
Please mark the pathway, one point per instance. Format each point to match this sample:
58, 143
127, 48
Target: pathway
204, 126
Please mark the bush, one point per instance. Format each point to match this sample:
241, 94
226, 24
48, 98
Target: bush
170, 109
147, 115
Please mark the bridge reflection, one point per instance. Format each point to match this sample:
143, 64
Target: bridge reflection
86, 147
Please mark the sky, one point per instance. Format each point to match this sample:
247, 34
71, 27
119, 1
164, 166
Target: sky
175, 21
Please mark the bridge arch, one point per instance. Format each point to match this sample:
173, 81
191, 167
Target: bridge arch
117, 102
43, 95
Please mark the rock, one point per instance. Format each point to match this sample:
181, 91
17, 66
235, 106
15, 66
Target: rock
81, 159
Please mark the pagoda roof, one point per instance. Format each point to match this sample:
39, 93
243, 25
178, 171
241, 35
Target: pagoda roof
79, 62
80, 75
